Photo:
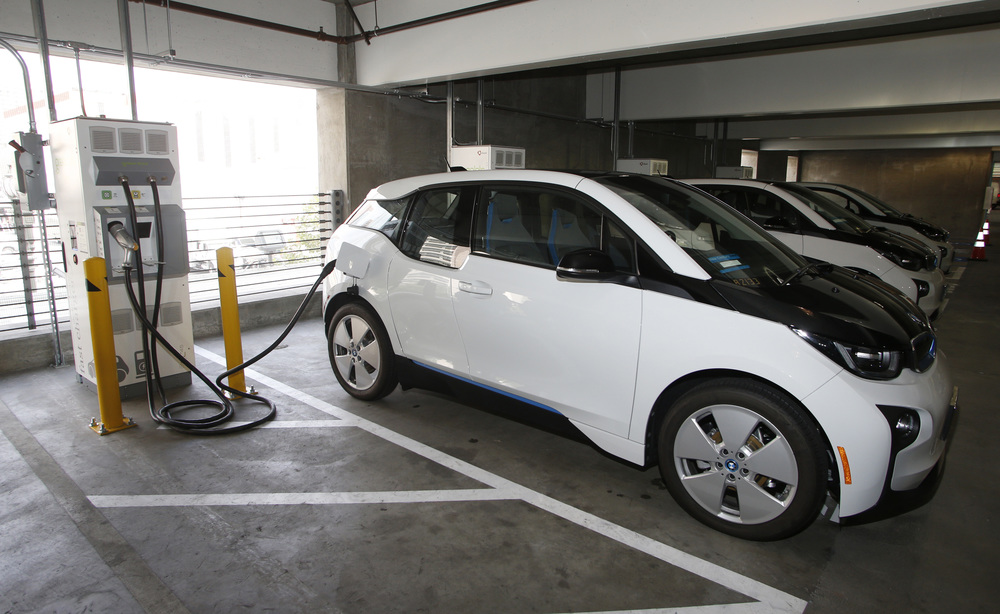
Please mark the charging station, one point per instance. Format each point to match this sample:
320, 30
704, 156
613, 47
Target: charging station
101, 167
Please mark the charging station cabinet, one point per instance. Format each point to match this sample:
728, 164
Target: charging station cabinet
90, 156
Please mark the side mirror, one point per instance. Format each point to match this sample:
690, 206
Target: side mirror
587, 264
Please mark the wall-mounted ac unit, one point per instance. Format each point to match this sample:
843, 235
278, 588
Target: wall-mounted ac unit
642, 166
487, 157
734, 172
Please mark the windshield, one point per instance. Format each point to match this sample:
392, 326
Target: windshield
722, 241
882, 206
841, 218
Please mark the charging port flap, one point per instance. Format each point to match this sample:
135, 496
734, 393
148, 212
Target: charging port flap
353, 261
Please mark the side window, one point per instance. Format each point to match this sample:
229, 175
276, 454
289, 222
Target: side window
841, 200
733, 198
437, 229
619, 246
772, 212
380, 215
539, 226
534, 225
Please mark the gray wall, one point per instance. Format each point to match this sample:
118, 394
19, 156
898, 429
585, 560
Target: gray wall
945, 186
390, 137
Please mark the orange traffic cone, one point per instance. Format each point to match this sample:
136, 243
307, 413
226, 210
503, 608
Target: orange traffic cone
986, 232
979, 249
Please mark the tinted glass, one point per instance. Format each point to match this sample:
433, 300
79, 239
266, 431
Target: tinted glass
437, 229
841, 218
380, 215
538, 225
723, 242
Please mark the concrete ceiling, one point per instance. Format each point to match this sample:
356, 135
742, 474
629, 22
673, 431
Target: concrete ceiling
793, 75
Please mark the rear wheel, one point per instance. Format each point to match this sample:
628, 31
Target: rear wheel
360, 353
743, 458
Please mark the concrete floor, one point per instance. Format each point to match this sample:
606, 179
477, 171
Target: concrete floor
418, 503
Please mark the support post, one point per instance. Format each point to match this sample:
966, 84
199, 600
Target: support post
105, 359
230, 312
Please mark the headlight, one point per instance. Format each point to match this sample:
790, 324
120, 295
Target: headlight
908, 262
869, 363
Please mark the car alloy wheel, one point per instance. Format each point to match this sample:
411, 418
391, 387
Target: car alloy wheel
742, 458
360, 353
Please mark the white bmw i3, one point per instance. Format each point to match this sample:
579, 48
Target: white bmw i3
664, 325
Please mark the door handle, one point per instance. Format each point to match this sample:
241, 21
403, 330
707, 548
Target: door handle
475, 288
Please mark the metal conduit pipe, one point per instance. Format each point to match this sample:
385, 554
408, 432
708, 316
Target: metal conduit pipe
320, 35
416, 23
27, 84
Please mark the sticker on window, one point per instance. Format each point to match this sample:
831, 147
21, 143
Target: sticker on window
728, 263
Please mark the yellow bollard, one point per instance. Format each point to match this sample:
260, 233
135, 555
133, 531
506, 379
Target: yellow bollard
230, 316
105, 360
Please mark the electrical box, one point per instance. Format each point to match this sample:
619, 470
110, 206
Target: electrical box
642, 166
90, 157
31, 171
734, 172
487, 157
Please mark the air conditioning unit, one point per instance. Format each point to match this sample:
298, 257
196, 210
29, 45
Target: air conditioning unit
642, 166
734, 172
487, 157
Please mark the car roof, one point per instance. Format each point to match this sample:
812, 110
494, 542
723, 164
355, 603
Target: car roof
403, 187
773, 187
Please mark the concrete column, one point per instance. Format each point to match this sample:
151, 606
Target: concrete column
331, 123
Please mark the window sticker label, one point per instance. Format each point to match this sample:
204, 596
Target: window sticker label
728, 263
735, 268
717, 259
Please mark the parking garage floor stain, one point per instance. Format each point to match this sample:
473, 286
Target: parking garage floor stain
419, 503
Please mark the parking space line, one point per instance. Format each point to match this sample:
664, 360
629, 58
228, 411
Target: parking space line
769, 598
302, 498
287, 424
754, 607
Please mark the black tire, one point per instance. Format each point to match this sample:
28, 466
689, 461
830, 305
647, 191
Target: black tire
767, 482
360, 353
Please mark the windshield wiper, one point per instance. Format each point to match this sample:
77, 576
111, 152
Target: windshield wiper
800, 272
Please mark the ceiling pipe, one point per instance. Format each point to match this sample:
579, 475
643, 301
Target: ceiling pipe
202, 11
125, 25
416, 23
320, 35
41, 33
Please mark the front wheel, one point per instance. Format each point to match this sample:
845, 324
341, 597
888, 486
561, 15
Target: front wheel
360, 353
743, 458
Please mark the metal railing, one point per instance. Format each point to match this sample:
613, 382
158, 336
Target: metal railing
278, 246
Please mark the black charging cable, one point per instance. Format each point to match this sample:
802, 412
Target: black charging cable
167, 413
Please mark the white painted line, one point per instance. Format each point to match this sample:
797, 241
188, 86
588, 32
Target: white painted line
754, 607
288, 424
956, 274
772, 599
301, 498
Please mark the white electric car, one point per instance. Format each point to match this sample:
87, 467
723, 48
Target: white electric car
661, 323
881, 214
819, 229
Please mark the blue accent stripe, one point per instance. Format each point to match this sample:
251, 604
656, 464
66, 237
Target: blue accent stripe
490, 388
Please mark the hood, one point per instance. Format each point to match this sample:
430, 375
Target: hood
838, 304
908, 253
928, 229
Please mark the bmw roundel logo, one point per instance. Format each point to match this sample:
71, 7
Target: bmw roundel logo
732, 465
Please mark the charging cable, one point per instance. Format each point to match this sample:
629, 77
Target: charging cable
167, 413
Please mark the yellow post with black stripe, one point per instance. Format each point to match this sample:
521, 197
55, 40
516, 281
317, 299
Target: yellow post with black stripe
230, 316
105, 360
